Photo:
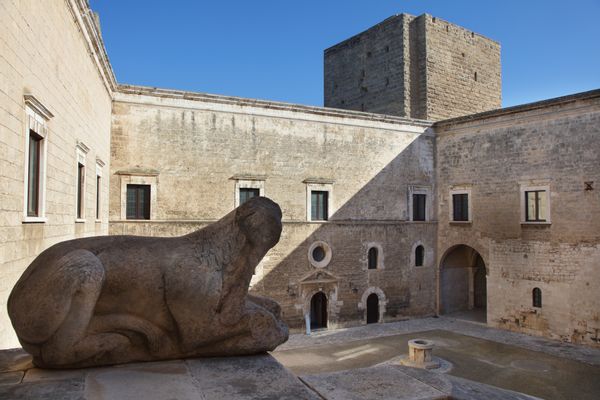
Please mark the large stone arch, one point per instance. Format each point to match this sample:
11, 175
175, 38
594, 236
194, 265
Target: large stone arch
362, 306
463, 281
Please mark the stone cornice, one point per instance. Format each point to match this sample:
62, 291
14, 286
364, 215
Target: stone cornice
87, 22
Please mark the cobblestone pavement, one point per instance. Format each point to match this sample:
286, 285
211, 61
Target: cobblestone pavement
478, 330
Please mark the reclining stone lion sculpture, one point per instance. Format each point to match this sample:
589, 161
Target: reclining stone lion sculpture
118, 299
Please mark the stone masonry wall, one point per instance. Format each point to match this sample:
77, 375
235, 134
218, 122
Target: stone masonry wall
367, 71
553, 144
197, 146
44, 52
463, 71
419, 67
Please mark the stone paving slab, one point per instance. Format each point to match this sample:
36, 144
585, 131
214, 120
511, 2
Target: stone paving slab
387, 382
258, 377
556, 348
381, 383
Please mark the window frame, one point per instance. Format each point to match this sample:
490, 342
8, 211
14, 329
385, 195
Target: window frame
524, 189
137, 177
319, 186
379, 262
99, 181
80, 181
322, 202
147, 201
416, 263
419, 190
248, 182
36, 122
536, 297
460, 191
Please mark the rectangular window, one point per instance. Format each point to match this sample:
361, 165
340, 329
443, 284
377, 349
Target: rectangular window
33, 175
80, 189
138, 201
536, 206
318, 205
460, 207
419, 207
248, 193
98, 197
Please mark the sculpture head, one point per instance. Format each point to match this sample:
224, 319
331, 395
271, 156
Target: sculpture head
260, 220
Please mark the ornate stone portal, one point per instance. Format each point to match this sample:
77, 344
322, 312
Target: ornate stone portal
117, 299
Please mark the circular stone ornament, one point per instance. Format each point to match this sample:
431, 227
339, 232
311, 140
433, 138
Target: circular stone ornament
319, 254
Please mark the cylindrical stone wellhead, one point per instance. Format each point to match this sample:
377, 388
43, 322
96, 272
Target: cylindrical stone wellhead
420, 350
420, 354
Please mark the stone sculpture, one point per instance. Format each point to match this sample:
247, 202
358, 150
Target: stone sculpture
117, 299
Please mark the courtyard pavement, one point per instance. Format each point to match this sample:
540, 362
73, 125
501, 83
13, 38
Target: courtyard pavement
532, 365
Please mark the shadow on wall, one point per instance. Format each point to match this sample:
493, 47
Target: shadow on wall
376, 215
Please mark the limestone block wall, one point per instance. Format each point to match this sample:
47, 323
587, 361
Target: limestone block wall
418, 67
367, 71
195, 148
551, 144
53, 52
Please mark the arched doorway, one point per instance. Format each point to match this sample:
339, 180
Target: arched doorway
463, 284
372, 309
318, 311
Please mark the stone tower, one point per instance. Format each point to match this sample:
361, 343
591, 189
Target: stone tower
414, 67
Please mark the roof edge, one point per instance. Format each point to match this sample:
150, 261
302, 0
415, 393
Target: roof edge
591, 94
266, 104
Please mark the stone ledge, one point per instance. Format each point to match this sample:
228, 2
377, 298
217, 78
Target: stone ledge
253, 377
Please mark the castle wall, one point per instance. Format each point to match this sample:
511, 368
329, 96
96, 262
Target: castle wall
418, 67
367, 71
45, 53
463, 73
195, 150
552, 145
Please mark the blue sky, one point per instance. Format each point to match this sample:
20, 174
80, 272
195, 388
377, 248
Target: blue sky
273, 49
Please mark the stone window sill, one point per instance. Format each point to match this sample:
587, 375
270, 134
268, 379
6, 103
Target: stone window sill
546, 223
79, 220
461, 222
35, 220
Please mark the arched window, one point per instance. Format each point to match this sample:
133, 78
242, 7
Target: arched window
537, 297
419, 256
373, 255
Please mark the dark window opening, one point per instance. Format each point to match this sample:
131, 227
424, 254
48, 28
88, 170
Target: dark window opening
369, 54
80, 188
138, 201
475, 76
537, 297
248, 193
419, 256
535, 206
373, 255
98, 197
387, 49
372, 309
318, 254
318, 205
460, 207
33, 174
419, 202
